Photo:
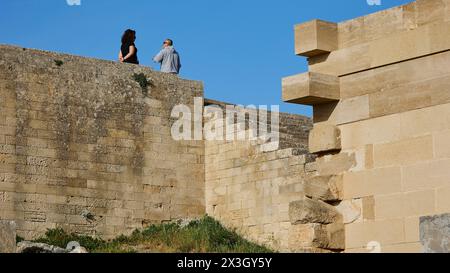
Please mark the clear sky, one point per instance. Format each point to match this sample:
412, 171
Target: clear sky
240, 49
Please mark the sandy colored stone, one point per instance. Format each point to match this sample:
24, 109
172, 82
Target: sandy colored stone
7, 237
335, 164
421, 41
313, 211
325, 188
403, 152
315, 38
324, 138
316, 236
351, 210
310, 88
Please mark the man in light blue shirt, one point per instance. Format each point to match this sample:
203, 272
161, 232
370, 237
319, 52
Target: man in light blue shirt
168, 58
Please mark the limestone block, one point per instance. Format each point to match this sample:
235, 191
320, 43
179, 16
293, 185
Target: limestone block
335, 164
422, 41
315, 37
324, 138
442, 144
389, 206
403, 152
310, 88
372, 182
351, 210
7, 237
443, 200
395, 75
313, 211
30, 247
368, 208
307, 237
325, 188
412, 229
427, 175
420, 203
380, 130
385, 232
403, 248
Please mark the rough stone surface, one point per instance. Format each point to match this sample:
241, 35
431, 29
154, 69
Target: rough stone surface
435, 233
84, 147
326, 188
313, 211
317, 237
351, 210
29, 247
324, 138
7, 237
79, 250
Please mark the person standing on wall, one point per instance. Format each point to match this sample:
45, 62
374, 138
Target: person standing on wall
128, 50
169, 58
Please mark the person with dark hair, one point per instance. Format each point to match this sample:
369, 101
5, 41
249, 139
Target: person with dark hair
168, 58
128, 50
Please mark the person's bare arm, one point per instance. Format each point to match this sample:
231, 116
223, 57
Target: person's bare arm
120, 56
131, 53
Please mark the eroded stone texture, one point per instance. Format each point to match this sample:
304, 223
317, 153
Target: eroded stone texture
327, 188
7, 237
313, 211
435, 233
324, 138
84, 147
316, 237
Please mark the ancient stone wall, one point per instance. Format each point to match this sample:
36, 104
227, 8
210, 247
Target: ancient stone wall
380, 87
84, 146
251, 189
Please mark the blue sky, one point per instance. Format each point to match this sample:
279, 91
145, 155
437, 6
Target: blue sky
240, 49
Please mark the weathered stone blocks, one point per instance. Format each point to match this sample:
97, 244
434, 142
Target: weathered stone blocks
7, 237
327, 188
324, 138
316, 237
313, 211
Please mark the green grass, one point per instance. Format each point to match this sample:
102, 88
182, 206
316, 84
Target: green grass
144, 83
202, 236
59, 62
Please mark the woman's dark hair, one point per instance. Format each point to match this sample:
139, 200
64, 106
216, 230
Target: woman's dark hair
128, 37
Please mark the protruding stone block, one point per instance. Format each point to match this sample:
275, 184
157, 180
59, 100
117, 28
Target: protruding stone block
311, 89
313, 211
324, 138
315, 37
327, 188
316, 237
7, 237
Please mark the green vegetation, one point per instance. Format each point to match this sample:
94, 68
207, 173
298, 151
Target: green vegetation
143, 82
59, 62
202, 236
19, 239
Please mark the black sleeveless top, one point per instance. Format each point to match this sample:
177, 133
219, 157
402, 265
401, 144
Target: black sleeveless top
125, 50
